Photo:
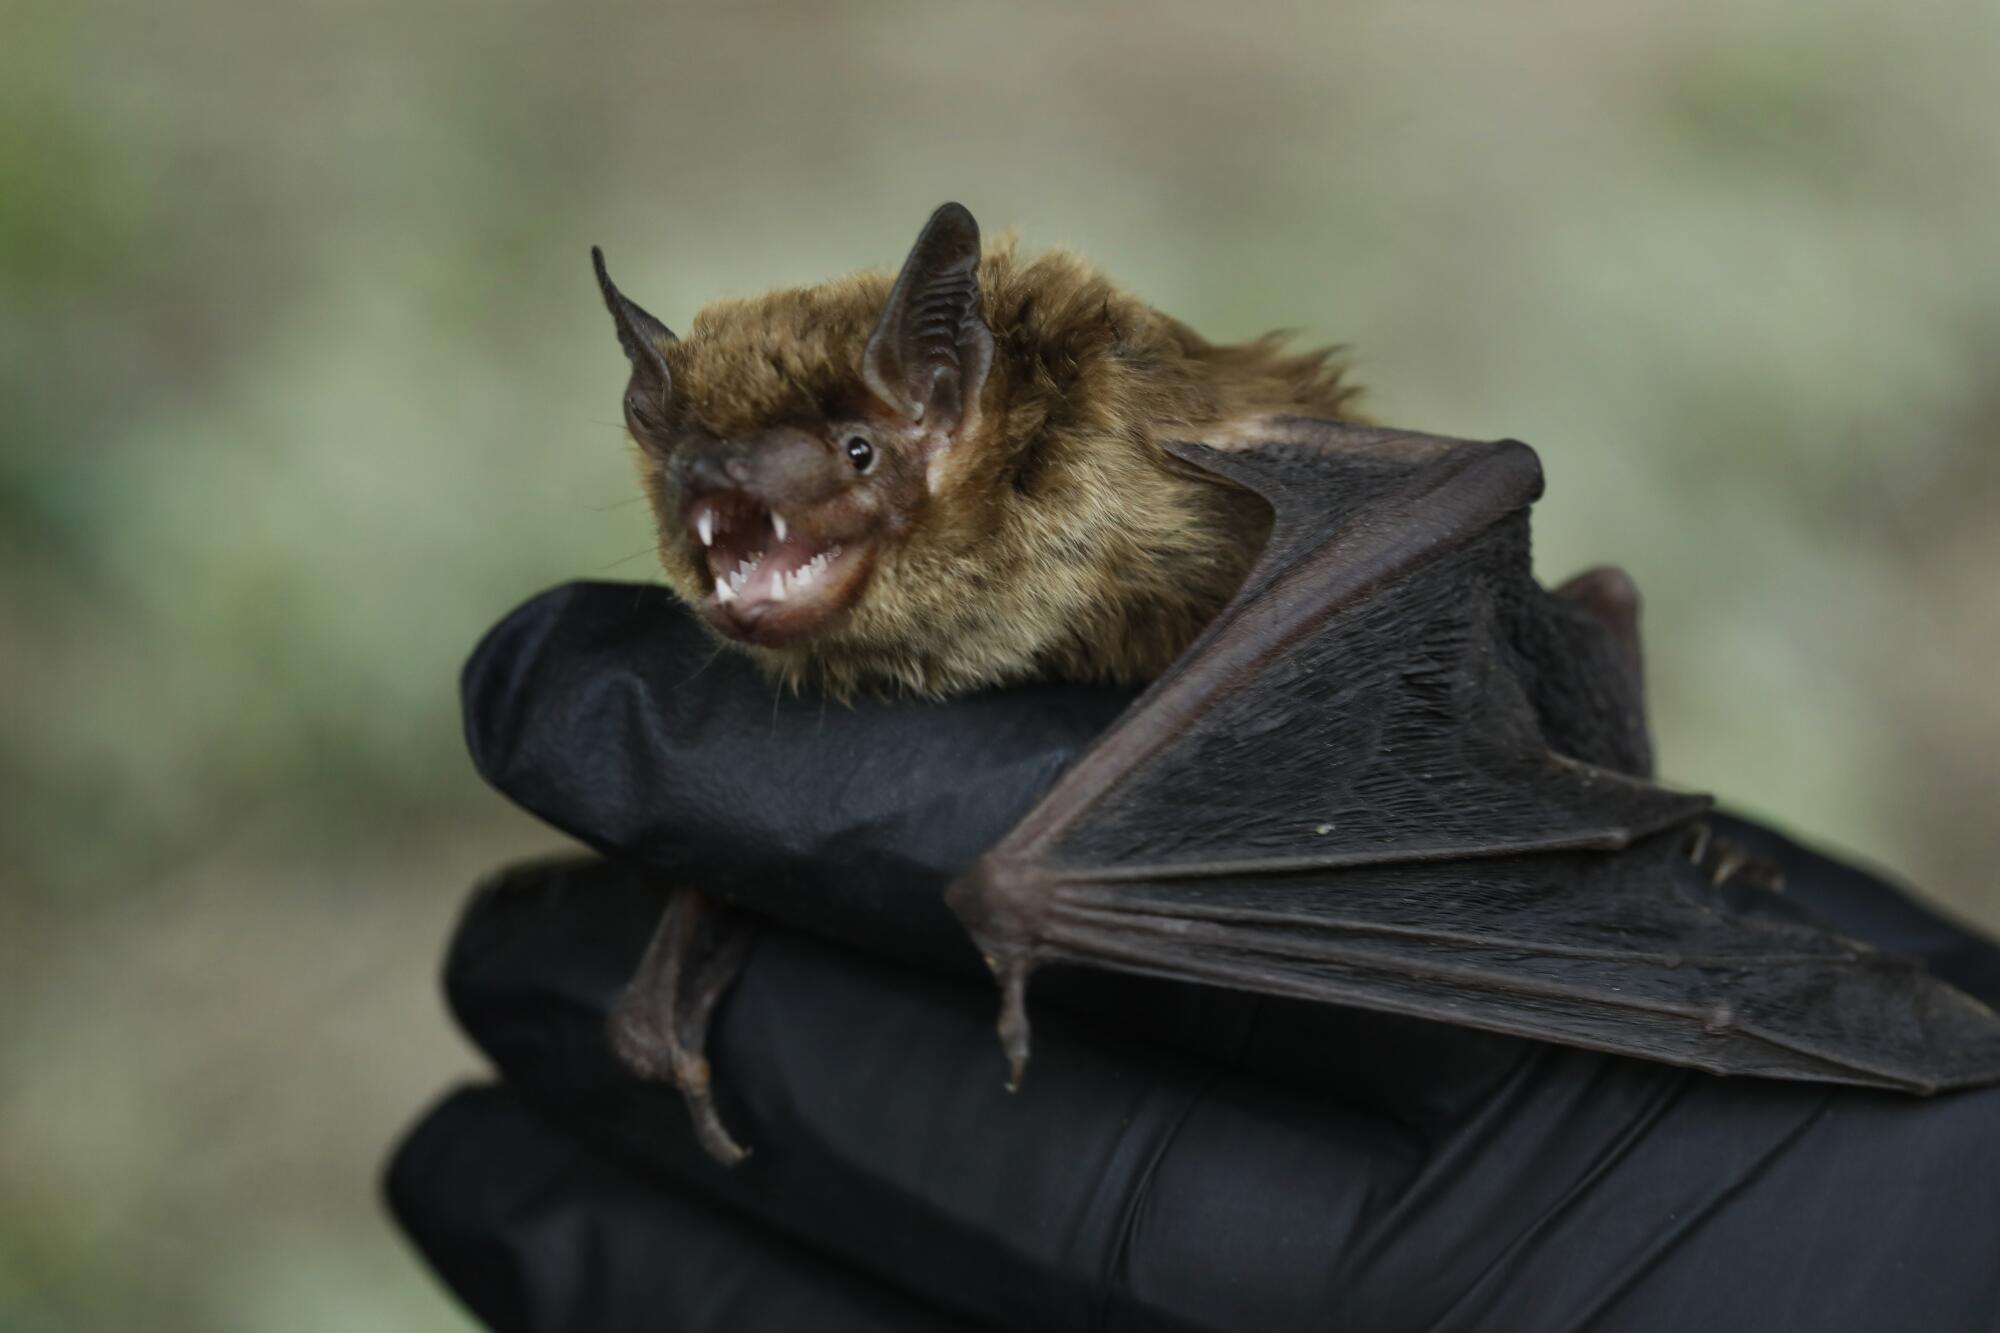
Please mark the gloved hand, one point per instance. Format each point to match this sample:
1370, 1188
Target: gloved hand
1179, 1157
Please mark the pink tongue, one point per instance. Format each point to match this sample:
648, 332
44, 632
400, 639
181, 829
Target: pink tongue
787, 555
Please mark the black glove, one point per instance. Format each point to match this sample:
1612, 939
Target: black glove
1179, 1158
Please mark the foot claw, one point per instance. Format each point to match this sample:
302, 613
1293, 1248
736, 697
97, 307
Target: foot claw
1014, 1021
709, 1131
1724, 860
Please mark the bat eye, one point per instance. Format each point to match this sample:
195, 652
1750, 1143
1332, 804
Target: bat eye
860, 453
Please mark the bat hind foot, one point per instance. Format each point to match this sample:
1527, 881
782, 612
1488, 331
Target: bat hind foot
659, 1028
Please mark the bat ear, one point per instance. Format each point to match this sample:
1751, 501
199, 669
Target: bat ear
642, 337
930, 351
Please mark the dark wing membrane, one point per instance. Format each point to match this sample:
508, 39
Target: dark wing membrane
1346, 791
1627, 952
1357, 700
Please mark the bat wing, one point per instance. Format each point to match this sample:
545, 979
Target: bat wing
1396, 773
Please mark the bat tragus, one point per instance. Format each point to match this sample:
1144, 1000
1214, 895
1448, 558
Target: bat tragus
1377, 764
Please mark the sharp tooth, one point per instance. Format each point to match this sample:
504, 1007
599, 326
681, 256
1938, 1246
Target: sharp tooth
724, 593
778, 586
778, 524
704, 523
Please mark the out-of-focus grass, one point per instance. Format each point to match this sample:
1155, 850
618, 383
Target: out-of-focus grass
303, 381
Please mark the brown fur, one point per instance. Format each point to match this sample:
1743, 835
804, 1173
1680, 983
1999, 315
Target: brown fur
1062, 541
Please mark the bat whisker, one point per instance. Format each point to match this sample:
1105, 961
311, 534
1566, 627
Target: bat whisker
627, 559
713, 658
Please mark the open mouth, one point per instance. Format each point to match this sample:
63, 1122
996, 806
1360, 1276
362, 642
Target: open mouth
772, 579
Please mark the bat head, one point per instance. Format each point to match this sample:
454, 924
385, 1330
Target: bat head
952, 476
793, 441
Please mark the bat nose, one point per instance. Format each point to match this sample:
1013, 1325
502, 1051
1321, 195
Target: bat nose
774, 467
720, 469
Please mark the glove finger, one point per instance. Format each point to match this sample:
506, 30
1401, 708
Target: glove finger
606, 710
535, 1232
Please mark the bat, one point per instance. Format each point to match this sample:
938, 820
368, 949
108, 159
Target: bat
1377, 764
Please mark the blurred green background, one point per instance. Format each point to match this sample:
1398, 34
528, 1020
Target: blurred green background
303, 381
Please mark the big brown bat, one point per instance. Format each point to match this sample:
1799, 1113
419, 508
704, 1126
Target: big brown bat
1377, 763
